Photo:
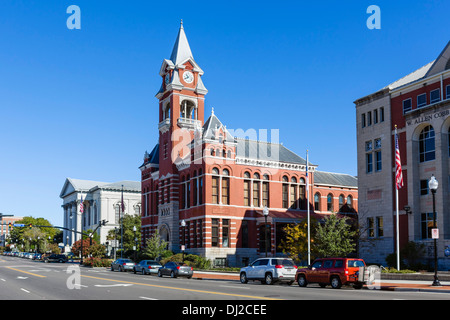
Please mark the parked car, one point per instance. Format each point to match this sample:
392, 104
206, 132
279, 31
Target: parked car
147, 267
331, 271
176, 269
122, 265
269, 270
56, 258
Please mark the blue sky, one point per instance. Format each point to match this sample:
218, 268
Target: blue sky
81, 103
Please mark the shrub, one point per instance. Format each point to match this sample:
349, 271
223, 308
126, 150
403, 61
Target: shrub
191, 260
97, 262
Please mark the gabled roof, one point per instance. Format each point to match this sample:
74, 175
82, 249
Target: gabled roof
76, 185
212, 125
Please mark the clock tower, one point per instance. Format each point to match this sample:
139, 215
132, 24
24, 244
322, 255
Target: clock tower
181, 104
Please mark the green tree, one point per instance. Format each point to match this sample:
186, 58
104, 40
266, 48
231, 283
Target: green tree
155, 247
334, 238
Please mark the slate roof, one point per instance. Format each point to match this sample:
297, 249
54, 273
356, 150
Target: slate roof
335, 179
76, 185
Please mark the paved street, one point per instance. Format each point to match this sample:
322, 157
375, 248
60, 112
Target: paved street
22, 279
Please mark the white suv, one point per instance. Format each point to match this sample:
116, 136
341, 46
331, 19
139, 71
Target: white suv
269, 270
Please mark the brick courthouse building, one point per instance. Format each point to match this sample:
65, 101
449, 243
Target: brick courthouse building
206, 189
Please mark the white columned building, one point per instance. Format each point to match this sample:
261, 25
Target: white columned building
102, 201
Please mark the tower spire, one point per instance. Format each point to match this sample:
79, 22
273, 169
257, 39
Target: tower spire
181, 50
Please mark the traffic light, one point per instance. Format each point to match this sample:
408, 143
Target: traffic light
30, 226
10, 226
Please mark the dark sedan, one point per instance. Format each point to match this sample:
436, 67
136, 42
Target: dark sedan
176, 269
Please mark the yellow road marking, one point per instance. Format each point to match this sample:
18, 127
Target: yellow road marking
184, 289
33, 274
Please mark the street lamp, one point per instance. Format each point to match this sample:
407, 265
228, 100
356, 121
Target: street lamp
433, 185
266, 214
135, 244
183, 225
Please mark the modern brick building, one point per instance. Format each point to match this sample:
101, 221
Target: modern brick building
419, 105
205, 189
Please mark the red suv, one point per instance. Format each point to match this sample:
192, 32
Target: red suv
333, 271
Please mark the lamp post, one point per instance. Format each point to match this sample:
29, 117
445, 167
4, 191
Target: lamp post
433, 185
183, 225
135, 244
266, 214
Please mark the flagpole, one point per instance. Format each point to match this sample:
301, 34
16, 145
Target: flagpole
396, 208
307, 204
121, 225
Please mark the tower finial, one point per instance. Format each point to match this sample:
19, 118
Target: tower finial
181, 23
212, 111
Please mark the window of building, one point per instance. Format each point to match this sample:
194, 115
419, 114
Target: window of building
369, 145
330, 203
341, 201
317, 202
378, 161
256, 191
369, 118
407, 105
435, 96
350, 202
225, 233
363, 120
247, 193
375, 116
380, 228
285, 195
423, 187
427, 144
200, 187
244, 237
370, 227
225, 190
427, 224
215, 232
265, 194
421, 100
382, 114
448, 91
215, 190
369, 163
293, 194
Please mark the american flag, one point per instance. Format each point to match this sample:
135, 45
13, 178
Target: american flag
398, 164
81, 205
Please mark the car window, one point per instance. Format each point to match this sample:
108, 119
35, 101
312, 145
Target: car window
328, 264
355, 263
263, 262
284, 262
338, 263
255, 263
317, 264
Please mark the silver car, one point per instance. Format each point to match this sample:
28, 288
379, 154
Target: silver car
147, 267
269, 270
122, 265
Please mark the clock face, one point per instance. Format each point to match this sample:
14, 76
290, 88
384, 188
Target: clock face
167, 78
188, 77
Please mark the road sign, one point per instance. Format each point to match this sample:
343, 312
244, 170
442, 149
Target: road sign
18, 225
435, 233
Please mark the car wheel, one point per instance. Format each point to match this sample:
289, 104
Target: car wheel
172, 274
336, 283
301, 280
358, 286
159, 273
269, 279
243, 278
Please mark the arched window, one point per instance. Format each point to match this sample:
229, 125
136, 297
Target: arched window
247, 174
256, 175
225, 172
341, 201
215, 186
330, 203
229, 154
350, 202
427, 144
317, 202
285, 192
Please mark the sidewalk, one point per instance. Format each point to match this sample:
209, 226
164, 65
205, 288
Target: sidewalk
391, 285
